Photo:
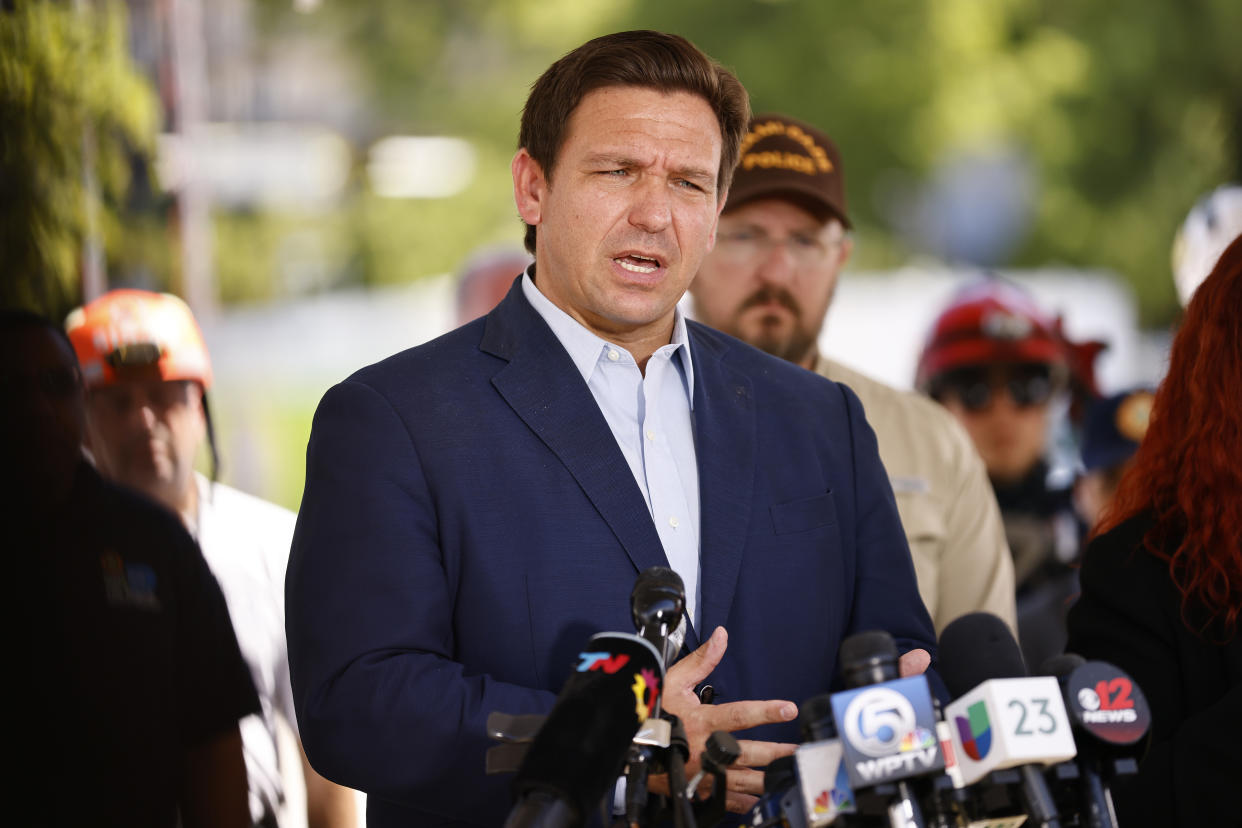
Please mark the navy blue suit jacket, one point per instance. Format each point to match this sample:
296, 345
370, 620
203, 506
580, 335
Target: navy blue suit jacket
469, 521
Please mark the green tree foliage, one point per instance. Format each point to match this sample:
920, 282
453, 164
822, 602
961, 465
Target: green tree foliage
439, 67
66, 80
1128, 115
1124, 116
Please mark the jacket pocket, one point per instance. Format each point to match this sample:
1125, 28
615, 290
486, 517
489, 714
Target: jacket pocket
804, 515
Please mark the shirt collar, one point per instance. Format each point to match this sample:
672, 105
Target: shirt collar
584, 347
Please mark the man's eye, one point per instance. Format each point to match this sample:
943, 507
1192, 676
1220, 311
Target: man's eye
689, 185
806, 242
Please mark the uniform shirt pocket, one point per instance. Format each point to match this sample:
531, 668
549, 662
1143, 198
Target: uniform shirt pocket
804, 515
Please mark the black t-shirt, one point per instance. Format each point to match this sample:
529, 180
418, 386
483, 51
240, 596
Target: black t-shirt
135, 660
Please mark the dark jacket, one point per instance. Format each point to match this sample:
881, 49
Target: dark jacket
469, 521
1130, 614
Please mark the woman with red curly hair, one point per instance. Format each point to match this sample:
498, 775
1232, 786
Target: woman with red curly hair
1162, 579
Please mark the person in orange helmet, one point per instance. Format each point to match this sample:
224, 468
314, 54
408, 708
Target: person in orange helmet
147, 373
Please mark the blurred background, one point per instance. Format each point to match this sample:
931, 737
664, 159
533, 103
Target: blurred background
308, 174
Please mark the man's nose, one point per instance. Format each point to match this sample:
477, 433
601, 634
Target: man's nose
777, 264
141, 413
651, 211
1001, 399
147, 412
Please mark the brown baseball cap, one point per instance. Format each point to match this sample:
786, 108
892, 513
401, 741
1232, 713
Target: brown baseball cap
782, 157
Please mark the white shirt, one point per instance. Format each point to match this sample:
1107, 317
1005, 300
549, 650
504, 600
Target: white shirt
246, 543
650, 417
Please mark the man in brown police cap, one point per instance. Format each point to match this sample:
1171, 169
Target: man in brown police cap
782, 241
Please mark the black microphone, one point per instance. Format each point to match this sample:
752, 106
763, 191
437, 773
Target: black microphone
656, 603
581, 748
780, 806
1000, 718
1110, 719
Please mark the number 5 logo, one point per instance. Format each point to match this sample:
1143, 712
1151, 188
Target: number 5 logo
877, 720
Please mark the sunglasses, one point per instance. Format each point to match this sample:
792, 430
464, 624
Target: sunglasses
974, 388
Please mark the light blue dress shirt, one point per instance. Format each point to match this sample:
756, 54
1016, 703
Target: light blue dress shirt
650, 419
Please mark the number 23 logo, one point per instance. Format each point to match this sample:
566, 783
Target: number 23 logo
1044, 721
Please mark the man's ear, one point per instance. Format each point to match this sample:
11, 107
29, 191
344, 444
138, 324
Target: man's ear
529, 187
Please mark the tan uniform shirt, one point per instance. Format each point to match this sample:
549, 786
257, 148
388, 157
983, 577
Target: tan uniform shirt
951, 519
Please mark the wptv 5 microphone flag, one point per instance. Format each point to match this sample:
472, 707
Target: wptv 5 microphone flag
888, 731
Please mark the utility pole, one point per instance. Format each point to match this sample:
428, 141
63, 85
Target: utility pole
94, 276
193, 204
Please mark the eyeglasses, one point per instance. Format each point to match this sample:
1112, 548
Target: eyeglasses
747, 245
1027, 385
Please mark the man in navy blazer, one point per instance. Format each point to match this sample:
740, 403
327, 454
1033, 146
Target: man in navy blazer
478, 506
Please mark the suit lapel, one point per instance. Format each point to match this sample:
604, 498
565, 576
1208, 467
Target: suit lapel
724, 418
543, 387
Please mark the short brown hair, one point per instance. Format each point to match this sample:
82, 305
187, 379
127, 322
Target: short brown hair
644, 58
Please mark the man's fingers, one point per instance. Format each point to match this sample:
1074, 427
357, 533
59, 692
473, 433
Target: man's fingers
913, 663
744, 714
744, 780
692, 669
739, 803
761, 754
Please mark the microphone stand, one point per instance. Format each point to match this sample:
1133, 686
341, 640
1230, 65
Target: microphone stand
675, 758
638, 766
670, 754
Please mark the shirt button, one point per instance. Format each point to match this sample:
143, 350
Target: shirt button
650, 434
673, 522
613, 356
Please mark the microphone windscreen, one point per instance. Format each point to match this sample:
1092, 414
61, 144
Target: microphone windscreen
868, 658
581, 748
780, 775
1061, 665
660, 593
977, 647
658, 576
815, 719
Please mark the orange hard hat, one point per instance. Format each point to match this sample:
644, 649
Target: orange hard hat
130, 334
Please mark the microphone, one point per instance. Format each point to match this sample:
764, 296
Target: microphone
1110, 718
581, 748
825, 784
720, 751
887, 725
781, 803
657, 603
1001, 718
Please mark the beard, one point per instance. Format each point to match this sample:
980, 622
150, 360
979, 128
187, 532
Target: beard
775, 334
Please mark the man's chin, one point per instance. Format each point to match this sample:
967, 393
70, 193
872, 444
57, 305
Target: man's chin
780, 345
150, 481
